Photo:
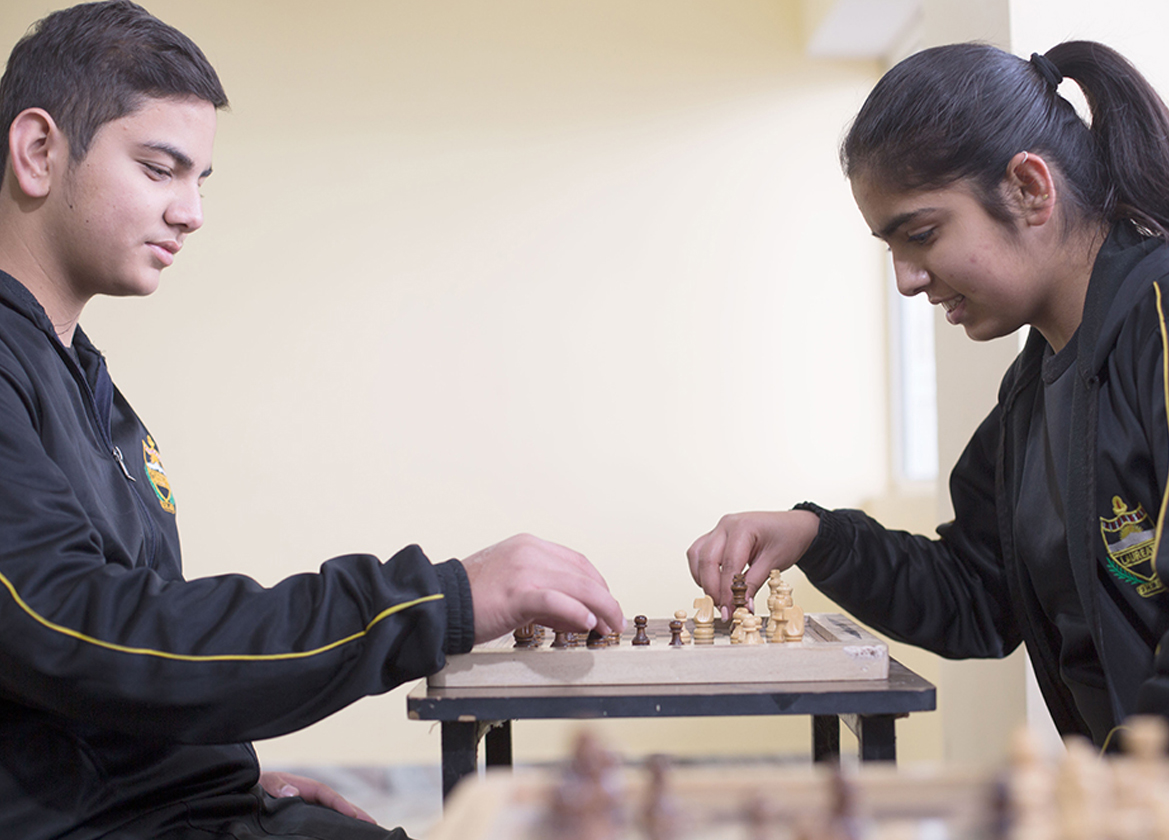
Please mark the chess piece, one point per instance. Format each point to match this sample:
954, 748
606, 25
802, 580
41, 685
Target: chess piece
738, 592
1139, 778
776, 623
737, 625
775, 605
844, 821
587, 804
675, 633
704, 621
750, 626
1030, 791
793, 627
596, 640
560, 640
659, 813
525, 636
640, 637
681, 616
613, 638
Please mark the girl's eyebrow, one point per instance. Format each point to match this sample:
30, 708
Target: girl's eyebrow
899, 220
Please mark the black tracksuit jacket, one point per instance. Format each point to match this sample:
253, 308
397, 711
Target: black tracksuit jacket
126, 690
967, 593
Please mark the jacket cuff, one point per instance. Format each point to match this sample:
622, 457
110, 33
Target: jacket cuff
832, 533
460, 611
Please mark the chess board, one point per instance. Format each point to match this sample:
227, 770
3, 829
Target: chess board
834, 648
737, 803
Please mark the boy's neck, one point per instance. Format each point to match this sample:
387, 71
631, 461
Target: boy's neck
21, 257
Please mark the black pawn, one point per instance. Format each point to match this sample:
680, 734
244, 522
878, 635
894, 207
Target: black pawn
596, 640
675, 633
525, 637
640, 637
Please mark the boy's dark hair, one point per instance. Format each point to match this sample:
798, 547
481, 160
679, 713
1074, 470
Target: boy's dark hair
93, 63
964, 111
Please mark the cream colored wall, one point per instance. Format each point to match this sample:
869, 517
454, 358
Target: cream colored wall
585, 269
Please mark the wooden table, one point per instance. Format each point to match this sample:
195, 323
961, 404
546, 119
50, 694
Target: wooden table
868, 707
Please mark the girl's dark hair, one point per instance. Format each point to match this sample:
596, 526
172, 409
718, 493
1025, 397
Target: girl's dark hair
963, 111
94, 63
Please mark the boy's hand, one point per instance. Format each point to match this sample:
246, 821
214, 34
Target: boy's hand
757, 542
281, 785
525, 579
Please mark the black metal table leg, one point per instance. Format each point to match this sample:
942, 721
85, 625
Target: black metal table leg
497, 744
877, 736
460, 752
826, 738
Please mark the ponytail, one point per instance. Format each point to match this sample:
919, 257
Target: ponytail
1130, 124
963, 111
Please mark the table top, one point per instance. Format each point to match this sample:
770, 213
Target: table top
903, 692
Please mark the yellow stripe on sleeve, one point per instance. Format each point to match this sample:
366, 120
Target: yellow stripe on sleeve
225, 657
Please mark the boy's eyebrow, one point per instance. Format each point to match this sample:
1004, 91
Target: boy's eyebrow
182, 160
899, 220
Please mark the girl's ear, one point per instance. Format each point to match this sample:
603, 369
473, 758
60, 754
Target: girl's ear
35, 144
1030, 188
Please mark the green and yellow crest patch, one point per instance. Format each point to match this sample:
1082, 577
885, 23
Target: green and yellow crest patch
1129, 538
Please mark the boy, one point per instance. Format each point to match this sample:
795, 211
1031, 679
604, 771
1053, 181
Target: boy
127, 694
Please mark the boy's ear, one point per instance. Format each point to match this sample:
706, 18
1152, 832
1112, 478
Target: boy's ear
1031, 188
35, 146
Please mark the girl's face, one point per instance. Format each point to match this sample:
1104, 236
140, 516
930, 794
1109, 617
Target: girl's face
990, 277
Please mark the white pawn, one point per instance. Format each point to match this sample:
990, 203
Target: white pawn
751, 634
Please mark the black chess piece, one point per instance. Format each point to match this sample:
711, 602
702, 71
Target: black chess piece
525, 637
640, 637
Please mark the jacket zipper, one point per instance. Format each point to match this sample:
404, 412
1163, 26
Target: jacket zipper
106, 439
122, 463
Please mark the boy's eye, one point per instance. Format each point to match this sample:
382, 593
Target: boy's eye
156, 171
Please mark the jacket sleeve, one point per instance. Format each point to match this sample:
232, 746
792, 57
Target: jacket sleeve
948, 595
212, 660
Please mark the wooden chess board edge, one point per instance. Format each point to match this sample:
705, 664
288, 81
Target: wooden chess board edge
834, 649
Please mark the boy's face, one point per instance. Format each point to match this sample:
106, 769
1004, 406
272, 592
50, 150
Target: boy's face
121, 214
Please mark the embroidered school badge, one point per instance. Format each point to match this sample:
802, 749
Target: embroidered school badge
157, 475
1129, 538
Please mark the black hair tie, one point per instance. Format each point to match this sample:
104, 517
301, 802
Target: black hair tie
1047, 69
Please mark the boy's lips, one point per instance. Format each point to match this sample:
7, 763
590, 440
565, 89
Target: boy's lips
165, 250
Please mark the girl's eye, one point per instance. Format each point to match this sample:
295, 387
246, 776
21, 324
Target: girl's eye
921, 238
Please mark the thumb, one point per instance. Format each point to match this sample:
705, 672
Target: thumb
288, 790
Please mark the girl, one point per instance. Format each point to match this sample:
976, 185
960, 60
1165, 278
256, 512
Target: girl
1000, 204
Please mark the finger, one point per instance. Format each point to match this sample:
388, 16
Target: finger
588, 590
318, 793
579, 562
586, 607
737, 556
710, 562
694, 555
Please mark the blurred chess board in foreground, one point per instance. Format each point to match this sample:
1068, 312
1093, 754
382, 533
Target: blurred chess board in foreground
1077, 795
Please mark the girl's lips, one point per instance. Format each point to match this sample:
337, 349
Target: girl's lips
952, 306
